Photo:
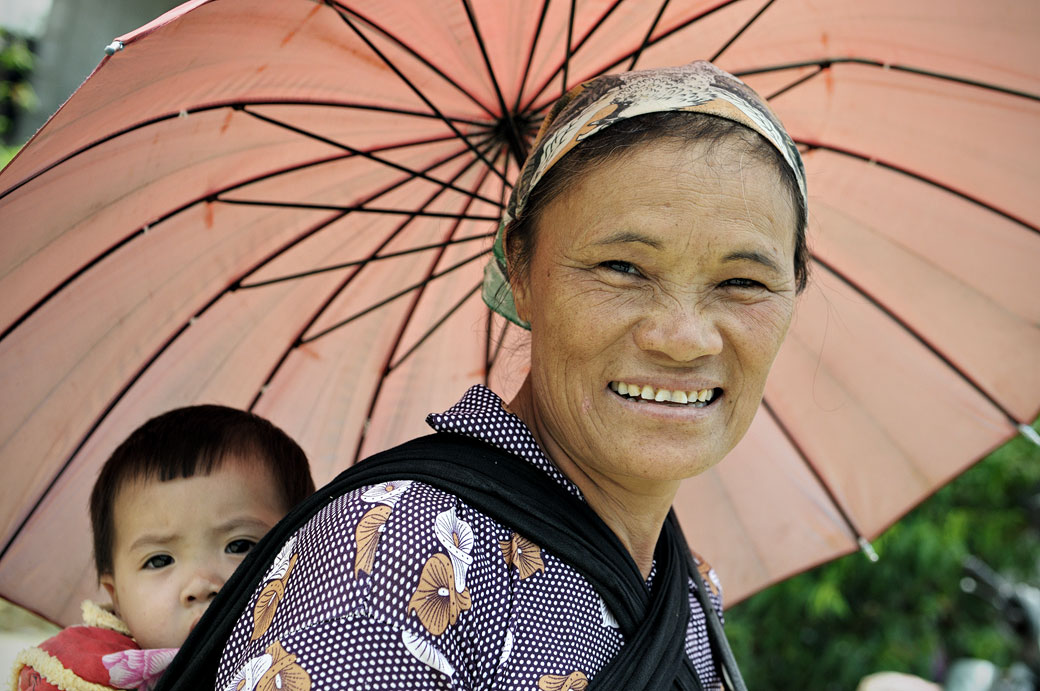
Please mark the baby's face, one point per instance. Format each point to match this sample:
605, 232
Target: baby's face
176, 543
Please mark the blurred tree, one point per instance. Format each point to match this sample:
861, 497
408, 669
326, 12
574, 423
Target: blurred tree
826, 629
16, 94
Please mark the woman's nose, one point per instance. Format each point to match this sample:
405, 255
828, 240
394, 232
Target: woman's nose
682, 333
202, 586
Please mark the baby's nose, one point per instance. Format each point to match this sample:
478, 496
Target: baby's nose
202, 587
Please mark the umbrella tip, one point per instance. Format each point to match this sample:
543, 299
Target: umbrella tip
1029, 433
867, 549
113, 47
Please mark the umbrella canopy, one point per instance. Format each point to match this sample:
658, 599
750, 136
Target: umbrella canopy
285, 205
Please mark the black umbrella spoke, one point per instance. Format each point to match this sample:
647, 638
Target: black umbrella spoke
375, 253
493, 357
511, 132
918, 176
797, 82
367, 260
564, 65
649, 32
343, 285
238, 105
340, 8
343, 15
385, 301
357, 208
918, 336
811, 467
359, 152
654, 41
436, 325
740, 31
869, 62
567, 47
530, 55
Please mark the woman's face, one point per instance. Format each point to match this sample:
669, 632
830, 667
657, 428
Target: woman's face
668, 273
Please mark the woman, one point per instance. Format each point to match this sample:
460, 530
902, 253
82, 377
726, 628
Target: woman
654, 246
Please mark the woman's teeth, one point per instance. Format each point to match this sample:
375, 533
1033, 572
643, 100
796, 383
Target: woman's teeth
699, 398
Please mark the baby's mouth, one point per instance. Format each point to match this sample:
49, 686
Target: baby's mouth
646, 393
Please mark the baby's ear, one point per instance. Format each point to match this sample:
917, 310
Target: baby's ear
109, 584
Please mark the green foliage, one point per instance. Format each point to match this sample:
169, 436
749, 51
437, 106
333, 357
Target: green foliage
826, 629
16, 94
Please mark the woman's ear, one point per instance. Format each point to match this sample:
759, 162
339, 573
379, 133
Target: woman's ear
518, 280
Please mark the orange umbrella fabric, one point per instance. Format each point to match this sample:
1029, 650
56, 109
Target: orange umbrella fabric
286, 205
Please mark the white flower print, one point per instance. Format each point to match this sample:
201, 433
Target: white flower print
249, 676
457, 537
606, 616
388, 493
281, 562
426, 653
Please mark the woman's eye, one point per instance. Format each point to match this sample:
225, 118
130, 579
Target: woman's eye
239, 546
621, 267
158, 561
742, 283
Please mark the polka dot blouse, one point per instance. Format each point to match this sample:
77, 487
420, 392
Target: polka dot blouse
403, 586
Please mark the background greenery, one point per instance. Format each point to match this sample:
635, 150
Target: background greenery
16, 94
829, 627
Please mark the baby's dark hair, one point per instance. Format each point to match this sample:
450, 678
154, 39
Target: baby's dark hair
186, 442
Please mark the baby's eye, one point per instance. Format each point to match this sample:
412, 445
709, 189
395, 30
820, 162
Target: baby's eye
158, 561
621, 267
239, 546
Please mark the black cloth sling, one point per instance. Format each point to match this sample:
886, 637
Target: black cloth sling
514, 493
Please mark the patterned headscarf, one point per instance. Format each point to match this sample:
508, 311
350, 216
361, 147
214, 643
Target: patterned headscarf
698, 87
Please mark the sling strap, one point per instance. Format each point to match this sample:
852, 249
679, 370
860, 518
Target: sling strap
512, 492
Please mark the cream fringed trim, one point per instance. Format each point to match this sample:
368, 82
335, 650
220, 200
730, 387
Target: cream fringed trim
52, 670
103, 618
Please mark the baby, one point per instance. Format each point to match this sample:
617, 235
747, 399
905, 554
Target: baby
174, 511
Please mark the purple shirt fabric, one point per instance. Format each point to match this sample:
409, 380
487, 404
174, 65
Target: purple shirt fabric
403, 586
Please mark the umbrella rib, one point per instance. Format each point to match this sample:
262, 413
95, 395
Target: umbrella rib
341, 8
187, 205
347, 265
567, 48
870, 62
742, 29
436, 325
340, 288
711, 10
391, 298
171, 116
565, 64
516, 142
360, 152
158, 353
646, 39
354, 208
918, 176
420, 94
403, 326
797, 82
920, 338
812, 469
530, 55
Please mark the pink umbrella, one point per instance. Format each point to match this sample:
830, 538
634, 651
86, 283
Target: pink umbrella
285, 205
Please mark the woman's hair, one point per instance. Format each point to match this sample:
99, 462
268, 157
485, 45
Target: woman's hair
623, 137
186, 442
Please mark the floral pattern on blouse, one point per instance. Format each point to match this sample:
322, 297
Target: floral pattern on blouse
401, 585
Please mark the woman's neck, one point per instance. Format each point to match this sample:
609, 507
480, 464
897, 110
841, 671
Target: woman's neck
633, 508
